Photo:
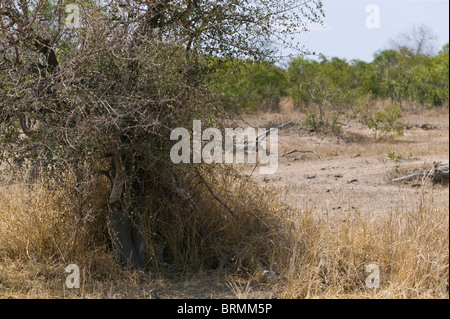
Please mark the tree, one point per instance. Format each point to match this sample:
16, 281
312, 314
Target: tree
327, 89
414, 78
419, 40
365, 77
395, 73
385, 121
438, 94
249, 85
103, 98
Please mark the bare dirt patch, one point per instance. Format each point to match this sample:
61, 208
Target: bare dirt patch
355, 172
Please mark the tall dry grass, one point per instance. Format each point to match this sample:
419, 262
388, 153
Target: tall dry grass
43, 229
411, 249
41, 232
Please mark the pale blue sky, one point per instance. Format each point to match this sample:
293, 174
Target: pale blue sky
347, 36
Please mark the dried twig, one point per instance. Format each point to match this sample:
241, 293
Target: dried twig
300, 151
264, 135
409, 177
212, 192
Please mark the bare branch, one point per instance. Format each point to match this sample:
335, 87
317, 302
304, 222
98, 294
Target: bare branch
210, 190
300, 151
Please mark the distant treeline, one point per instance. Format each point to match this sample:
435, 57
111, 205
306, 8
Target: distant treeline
400, 76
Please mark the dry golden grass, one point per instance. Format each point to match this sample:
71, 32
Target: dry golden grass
314, 257
40, 234
215, 253
410, 247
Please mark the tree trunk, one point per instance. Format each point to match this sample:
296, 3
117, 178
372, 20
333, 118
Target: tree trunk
125, 220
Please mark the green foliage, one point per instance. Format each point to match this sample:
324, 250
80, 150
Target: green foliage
413, 78
248, 85
330, 91
326, 90
395, 157
385, 121
364, 75
312, 121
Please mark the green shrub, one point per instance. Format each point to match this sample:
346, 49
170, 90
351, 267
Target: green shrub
385, 121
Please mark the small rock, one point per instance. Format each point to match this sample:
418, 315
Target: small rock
154, 294
270, 276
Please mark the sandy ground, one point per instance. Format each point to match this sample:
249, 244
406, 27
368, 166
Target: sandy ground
307, 182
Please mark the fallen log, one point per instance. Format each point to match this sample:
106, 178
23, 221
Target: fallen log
409, 177
439, 174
